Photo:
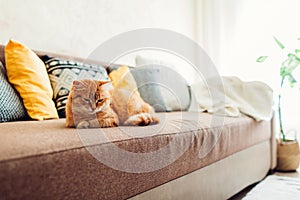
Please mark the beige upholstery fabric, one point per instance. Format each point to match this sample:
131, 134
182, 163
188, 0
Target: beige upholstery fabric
43, 159
218, 180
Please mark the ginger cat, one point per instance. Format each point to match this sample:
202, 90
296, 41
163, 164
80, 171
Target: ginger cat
95, 104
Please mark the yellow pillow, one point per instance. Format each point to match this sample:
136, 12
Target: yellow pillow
122, 78
27, 72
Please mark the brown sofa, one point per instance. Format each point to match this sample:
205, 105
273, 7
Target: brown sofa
186, 156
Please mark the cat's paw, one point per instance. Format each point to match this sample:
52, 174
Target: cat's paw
110, 122
142, 119
83, 124
70, 123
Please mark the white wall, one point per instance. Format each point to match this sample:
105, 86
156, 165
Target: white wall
77, 27
244, 31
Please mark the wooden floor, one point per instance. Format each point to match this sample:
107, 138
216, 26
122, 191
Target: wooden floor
243, 193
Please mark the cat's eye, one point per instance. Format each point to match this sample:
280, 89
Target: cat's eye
99, 100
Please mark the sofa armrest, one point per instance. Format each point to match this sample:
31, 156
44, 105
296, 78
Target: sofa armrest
273, 142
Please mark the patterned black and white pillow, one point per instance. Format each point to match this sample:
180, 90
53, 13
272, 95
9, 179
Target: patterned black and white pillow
11, 105
62, 73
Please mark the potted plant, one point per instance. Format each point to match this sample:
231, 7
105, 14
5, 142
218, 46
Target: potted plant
288, 154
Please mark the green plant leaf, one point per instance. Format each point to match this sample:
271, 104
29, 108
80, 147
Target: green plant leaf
261, 59
279, 43
283, 72
297, 54
289, 65
292, 80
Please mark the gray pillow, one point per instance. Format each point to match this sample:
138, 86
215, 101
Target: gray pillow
162, 87
11, 105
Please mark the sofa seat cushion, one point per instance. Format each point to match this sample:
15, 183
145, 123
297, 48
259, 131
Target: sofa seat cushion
40, 159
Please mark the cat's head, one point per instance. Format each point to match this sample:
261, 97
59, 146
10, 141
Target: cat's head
91, 96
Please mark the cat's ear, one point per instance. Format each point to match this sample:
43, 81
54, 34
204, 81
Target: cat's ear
106, 85
78, 84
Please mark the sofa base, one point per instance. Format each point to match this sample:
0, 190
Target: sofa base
220, 180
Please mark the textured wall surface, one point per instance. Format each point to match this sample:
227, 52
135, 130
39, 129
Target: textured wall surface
77, 27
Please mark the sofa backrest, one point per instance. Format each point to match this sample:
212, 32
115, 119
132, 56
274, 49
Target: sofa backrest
74, 58
2, 58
